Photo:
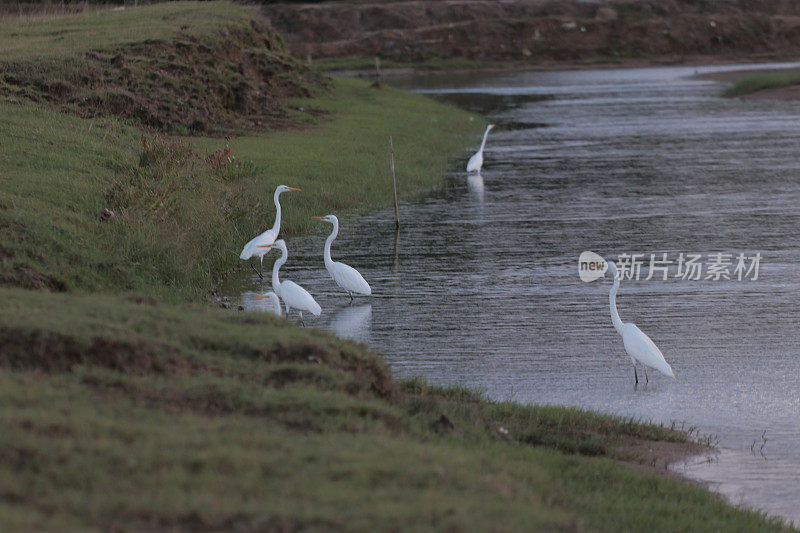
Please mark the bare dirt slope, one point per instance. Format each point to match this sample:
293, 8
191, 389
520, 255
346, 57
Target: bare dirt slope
540, 31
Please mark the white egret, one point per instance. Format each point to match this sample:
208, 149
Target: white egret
345, 276
476, 161
293, 295
638, 345
258, 246
274, 301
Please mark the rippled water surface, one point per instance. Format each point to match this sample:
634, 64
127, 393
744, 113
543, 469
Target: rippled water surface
481, 287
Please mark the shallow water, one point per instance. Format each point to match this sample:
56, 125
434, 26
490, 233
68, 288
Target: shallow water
481, 287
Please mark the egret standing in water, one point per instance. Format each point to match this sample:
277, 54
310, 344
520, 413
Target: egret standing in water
345, 276
293, 295
638, 345
274, 302
476, 161
259, 245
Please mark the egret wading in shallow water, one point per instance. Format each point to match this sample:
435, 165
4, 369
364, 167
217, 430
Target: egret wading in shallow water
476, 161
638, 345
345, 276
274, 302
293, 295
259, 245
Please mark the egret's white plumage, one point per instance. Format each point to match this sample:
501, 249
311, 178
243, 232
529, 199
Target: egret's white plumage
293, 295
476, 161
274, 302
639, 346
345, 276
259, 245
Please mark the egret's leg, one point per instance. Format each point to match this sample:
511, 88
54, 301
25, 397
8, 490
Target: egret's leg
256, 271
301, 319
646, 379
350, 294
262, 268
635, 375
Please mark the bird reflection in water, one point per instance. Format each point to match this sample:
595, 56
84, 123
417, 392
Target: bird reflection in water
475, 186
353, 322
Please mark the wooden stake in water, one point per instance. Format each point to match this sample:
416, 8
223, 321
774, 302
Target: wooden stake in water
394, 184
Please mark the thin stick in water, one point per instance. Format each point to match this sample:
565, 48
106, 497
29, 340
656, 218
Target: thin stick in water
394, 184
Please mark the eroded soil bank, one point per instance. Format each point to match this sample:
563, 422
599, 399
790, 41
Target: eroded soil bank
535, 32
238, 77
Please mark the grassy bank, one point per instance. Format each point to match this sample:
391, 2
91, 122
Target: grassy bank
131, 414
181, 221
40, 37
181, 68
760, 82
128, 404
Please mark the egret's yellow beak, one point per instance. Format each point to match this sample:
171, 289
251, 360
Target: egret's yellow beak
265, 245
318, 218
259, 297
293, 188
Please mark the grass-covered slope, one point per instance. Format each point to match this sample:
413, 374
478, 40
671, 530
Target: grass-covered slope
121, 413
36, 37
181, 221
182, 215
174, 67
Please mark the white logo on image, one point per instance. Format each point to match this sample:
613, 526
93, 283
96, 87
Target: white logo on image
591, 266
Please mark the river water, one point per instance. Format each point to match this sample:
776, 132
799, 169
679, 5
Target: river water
481, 287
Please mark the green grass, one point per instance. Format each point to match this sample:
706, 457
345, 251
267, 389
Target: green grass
136, 415
211, 67
760, 82
181, 225
46, 37
349, 152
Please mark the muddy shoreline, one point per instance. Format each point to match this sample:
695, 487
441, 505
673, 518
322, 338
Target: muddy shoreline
729, 76
698, 61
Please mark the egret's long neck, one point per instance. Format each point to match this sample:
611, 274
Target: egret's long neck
276, 282
612, 303
483, 143
277, 226
328, 242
